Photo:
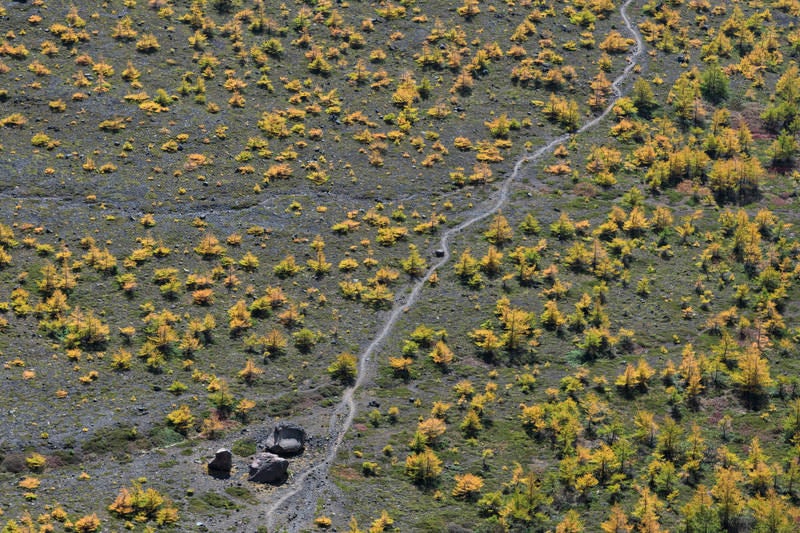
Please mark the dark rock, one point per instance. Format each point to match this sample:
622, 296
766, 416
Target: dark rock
221, 464
286, 439
268, 468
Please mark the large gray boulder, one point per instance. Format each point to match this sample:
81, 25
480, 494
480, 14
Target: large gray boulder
268, 468
286, 439
221, 464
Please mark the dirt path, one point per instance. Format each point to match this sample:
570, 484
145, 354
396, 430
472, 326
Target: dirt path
292, 513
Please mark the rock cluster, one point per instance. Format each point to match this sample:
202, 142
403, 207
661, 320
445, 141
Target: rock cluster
269, 466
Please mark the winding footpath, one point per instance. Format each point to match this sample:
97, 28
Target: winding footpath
313, 481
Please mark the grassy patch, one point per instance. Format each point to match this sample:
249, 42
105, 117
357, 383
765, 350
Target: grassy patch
241, 493
211, 502
114, 440
244, 447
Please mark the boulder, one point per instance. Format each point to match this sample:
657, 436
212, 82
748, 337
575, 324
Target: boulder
268, 468
221, 464
286, 439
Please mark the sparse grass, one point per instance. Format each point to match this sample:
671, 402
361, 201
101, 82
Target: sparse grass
123, 171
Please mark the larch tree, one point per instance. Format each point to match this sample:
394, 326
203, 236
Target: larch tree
773, 514
647, 510
471, 425
730, 501
670, 438
646, 427
466, 266
643, 97
423, 467
684, 97
604, 461
467, 486
517, 326
344, 368
752, 375
791, 424
499, 232
250, 373
551, 318
714, 84
414, 265
699, 514
571, 523
617, 521
319, 265
240, 317
492, 261
600, 89
441, 354
488, 341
